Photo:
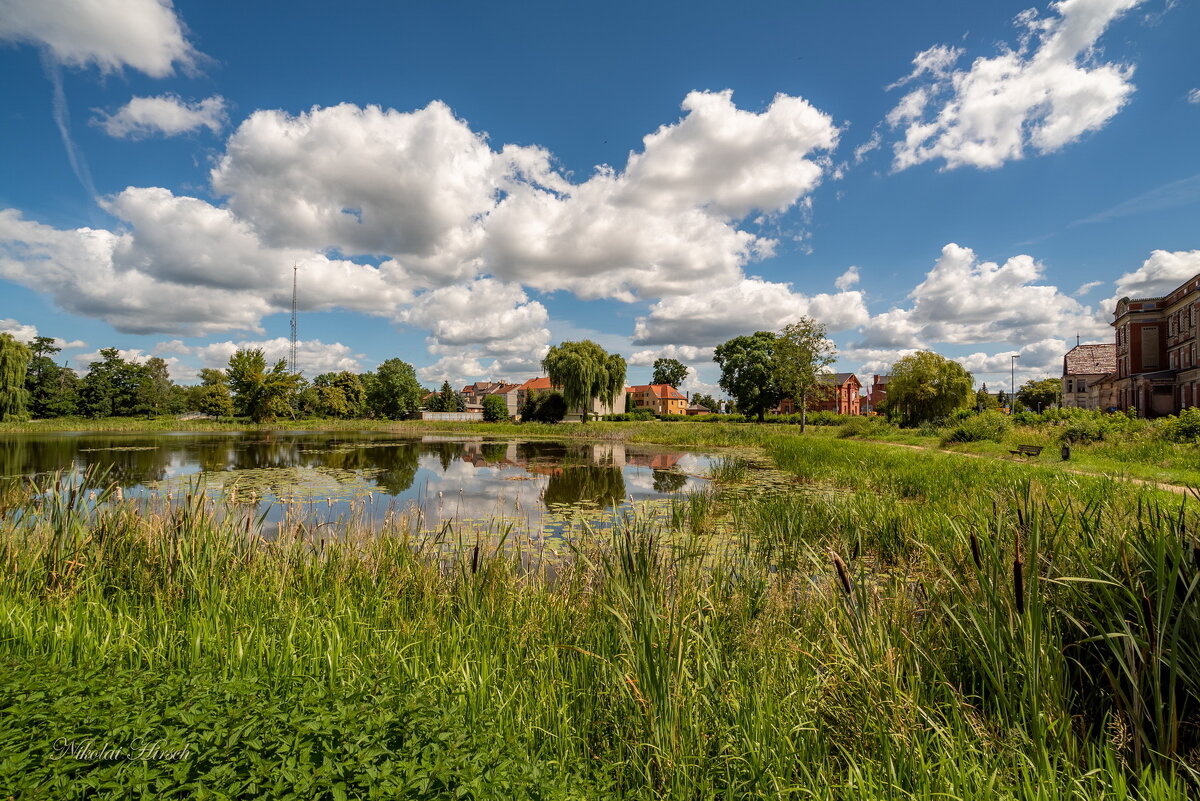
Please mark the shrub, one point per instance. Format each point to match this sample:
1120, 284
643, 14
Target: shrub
495, 410
544, 407
991, 426
1184, 428
863, 427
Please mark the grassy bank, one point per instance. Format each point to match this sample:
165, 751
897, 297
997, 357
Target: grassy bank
891, 624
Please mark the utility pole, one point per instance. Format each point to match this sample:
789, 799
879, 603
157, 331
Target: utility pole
292, 362
1012, 383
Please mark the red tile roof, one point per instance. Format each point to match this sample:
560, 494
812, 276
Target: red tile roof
662, 391
537, 383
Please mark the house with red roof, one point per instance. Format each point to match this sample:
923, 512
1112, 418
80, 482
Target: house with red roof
842, 395
658, 398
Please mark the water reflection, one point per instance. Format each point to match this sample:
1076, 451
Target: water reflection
449, 477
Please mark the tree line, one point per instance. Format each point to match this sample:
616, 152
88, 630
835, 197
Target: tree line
758, 371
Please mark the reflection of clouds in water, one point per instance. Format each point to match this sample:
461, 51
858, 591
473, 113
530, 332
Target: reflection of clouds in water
641, 479
497, 479
487, 492
694, 463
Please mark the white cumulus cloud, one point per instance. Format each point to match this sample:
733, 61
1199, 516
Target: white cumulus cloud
1158, 275
1045, 94
145, 35
963, 300
167, 115
847, 279
709, 317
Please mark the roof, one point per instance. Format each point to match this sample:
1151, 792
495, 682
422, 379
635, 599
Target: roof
504, 389
841, 378
1090, 360
661, 391
537, 383
698, 407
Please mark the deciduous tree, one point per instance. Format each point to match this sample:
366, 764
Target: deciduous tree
802, 357
1040, 394
926, 386
394, 392
748, 372
585, 372
14, 360
669, 371
495, 409
259, 393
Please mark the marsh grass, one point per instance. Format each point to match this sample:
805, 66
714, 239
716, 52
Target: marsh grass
893, 624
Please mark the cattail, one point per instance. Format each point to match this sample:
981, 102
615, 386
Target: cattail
1019, 577
975, 551
475, 559
843, 575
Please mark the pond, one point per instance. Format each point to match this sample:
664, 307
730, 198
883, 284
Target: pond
330, 477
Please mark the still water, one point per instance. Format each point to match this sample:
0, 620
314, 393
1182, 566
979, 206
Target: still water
367, 476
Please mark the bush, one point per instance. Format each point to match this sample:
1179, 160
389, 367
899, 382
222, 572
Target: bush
863, 427
630, 417
495, 410
1184, 428
991, 426
544, 407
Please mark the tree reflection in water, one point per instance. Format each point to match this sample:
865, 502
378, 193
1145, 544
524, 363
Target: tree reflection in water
574, 472
668, 481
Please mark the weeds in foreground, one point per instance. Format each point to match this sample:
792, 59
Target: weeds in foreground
898, 625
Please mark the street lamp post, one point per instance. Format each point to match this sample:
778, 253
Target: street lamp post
1012, 383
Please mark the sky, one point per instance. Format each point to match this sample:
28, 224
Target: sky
462, 185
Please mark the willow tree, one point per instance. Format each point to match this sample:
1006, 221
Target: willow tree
926, 386
14, 398
584, 372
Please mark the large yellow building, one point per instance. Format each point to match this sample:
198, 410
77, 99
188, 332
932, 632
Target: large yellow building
658, 398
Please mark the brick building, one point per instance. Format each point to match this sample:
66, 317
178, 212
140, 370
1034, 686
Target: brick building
878, 392
843, 395
1157, 372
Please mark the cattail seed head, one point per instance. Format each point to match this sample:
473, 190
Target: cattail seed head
842, 573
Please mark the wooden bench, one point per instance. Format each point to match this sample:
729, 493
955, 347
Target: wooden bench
1027, 450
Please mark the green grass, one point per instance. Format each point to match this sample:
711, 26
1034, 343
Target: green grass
857, 629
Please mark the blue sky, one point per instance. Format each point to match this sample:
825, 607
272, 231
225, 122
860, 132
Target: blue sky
977, 179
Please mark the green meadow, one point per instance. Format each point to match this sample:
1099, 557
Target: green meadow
832, 618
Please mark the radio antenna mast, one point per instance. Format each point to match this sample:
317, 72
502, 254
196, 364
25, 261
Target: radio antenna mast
295, 270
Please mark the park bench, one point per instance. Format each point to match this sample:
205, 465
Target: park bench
1027, 450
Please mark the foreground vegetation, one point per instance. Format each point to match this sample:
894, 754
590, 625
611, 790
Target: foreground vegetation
884, 623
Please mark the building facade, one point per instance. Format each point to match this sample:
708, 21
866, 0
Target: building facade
657, 398
1156, 351
878, 392
842, 395
1083, 365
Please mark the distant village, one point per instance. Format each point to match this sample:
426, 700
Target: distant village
1150, 367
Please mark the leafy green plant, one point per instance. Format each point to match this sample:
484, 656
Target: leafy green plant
991, 426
